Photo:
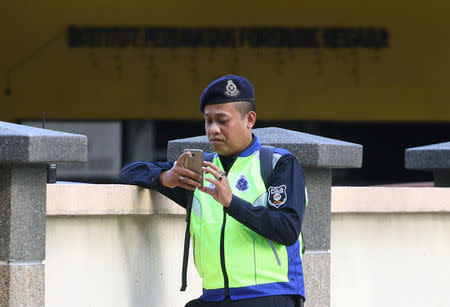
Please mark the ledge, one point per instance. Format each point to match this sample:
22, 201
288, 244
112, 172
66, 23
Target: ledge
117, 199
106, 199
389, 200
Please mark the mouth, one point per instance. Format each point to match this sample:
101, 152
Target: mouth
215, 141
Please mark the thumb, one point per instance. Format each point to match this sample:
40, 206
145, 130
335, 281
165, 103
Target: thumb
182, 157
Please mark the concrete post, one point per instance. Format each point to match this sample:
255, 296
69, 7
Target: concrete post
318, 156
24, 155
435, 158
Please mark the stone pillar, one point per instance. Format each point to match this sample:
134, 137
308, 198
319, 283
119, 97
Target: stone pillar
435, 158
24, 155
318, 156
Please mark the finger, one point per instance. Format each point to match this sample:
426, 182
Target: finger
212, 180
189, 174
191, 182
207, 190
182, 157
219, 176
211, 165
211, 171
184, 185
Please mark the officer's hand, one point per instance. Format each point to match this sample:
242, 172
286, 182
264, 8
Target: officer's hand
180, 176
221, 191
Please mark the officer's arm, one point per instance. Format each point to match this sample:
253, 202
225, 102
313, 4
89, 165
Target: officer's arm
281, 220
146, 175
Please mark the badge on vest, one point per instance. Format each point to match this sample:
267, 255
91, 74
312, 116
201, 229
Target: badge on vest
277, 196
242, 183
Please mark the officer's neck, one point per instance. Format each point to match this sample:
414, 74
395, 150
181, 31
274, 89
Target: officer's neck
227, 161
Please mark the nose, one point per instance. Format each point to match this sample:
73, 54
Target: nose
214, 129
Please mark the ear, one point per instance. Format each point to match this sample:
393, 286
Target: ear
250, 118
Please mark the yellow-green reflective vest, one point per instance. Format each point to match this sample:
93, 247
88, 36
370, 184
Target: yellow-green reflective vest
254, 265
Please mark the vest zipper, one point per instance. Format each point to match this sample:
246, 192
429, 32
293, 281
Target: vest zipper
222, 255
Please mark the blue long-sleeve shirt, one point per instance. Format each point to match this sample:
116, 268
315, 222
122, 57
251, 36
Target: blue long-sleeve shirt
279, 223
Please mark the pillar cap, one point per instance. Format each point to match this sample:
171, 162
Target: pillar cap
23, 144
429, 157
311, 150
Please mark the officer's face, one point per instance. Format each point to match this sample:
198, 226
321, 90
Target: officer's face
227, 132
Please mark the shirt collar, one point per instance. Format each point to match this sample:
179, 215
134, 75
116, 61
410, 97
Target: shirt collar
254, 146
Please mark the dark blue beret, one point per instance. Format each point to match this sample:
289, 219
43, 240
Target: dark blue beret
227, 89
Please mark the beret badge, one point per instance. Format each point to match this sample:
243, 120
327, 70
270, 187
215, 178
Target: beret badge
231, 89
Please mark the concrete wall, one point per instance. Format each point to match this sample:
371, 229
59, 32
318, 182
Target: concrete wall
390, 247
115, 245
111, 245
127, 260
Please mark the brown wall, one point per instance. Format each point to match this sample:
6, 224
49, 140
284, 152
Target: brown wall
405, 82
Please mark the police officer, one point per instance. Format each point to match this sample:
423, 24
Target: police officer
246, 236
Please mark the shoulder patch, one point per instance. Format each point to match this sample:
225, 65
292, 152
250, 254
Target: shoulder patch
277, 196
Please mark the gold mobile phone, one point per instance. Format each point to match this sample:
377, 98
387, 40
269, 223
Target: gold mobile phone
194, 162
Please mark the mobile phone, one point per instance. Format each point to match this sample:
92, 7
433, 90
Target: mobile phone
194, 162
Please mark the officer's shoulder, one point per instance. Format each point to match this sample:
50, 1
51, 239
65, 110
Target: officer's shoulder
281, 152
